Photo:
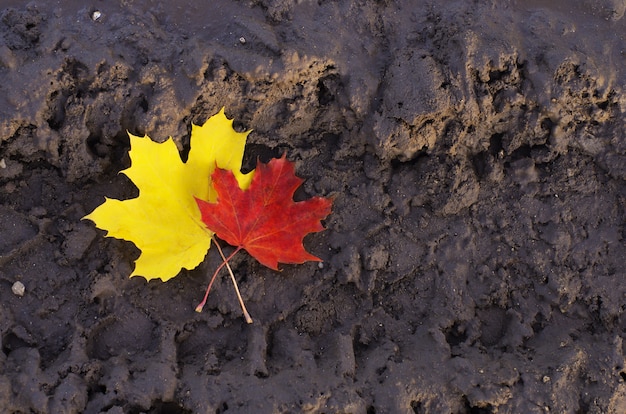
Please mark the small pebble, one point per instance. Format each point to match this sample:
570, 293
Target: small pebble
242, 40
3, 164
18, 288
96, 15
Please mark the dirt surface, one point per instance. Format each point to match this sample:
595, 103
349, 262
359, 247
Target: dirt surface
474, 259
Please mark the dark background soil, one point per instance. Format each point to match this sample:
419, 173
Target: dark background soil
474, 260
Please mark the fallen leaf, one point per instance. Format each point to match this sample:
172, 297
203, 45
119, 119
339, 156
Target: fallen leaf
263, 219
164, 221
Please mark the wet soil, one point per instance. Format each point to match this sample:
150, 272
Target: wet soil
474, 259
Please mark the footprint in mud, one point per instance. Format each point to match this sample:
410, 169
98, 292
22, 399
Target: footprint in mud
18, 234
211, 348
129, 332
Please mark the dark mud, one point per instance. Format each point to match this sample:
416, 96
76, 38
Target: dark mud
474, 261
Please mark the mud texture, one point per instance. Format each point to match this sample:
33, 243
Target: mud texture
474, 259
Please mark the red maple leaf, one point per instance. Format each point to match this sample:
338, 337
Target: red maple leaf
263, 219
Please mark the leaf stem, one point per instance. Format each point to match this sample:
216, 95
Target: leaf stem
232, 277
208, 289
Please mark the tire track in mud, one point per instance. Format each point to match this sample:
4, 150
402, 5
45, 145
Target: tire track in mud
472, 262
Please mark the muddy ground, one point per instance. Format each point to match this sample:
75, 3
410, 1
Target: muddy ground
474, 259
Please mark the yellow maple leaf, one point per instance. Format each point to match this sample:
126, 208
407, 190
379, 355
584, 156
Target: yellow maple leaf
164, 221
